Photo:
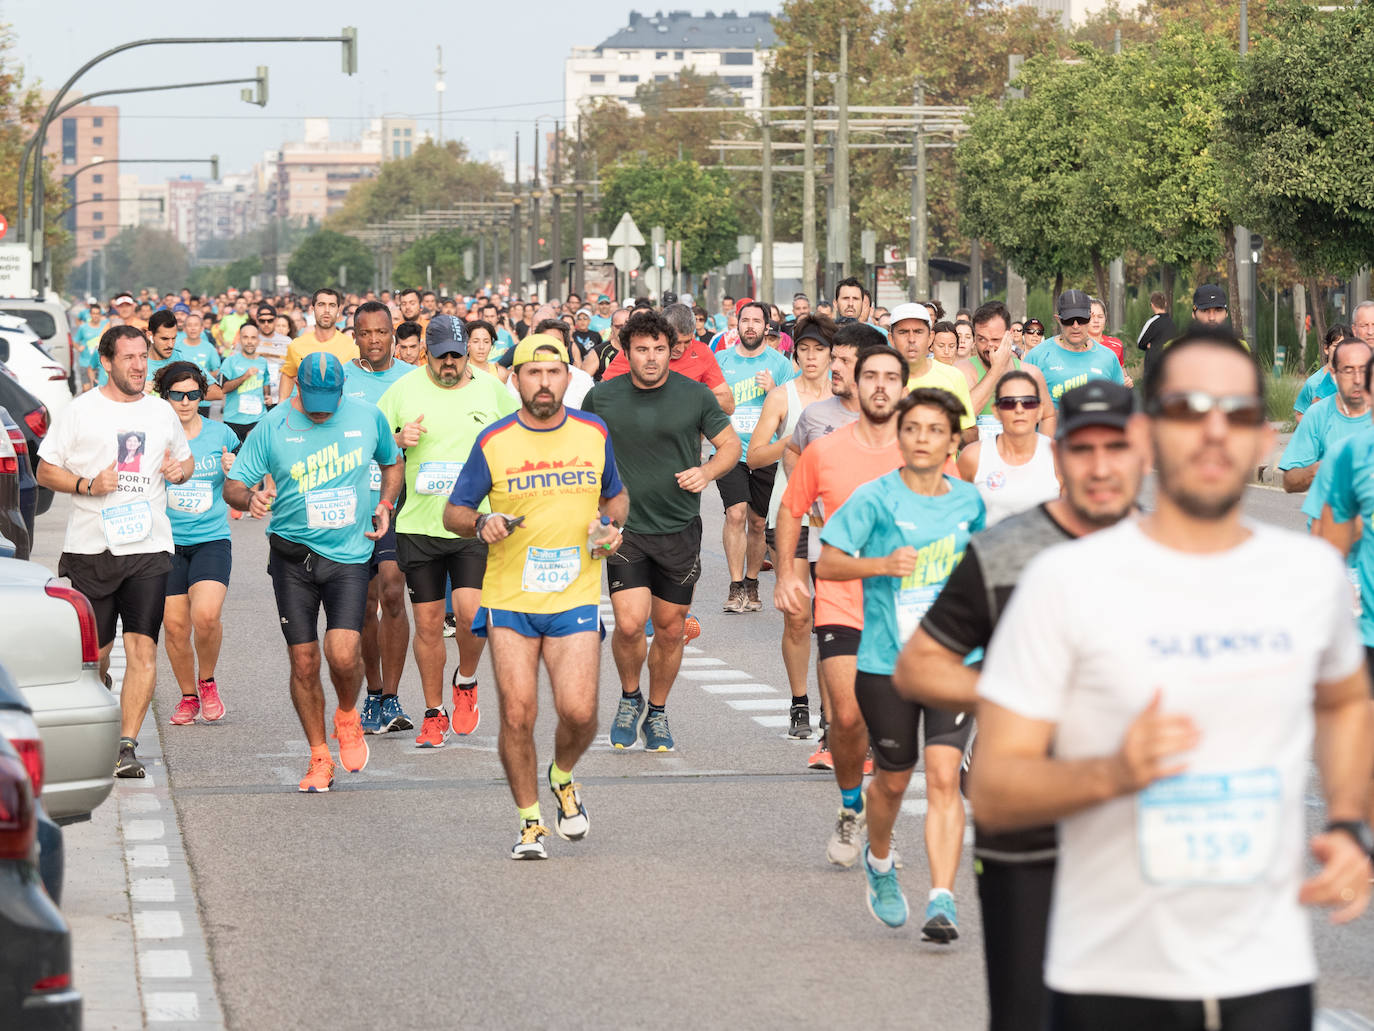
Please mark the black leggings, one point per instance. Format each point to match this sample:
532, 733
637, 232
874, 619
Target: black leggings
1283, 1009
1015, 900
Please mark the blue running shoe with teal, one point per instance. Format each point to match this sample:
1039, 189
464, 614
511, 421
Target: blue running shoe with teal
629, 717
942, 922
885, 899
657, 736
371, 714
394, 718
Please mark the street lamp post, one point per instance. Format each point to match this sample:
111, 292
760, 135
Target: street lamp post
261, 99
348, 37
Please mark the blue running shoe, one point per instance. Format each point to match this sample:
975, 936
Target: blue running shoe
629, 717
885, 899
657, 736
648, 628
394, 718
371, 714
942, 923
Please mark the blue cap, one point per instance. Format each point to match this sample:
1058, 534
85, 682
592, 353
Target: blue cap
446, 334
320, 378
185, 309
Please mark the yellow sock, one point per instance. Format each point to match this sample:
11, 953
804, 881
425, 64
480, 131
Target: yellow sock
529, 812
559, 777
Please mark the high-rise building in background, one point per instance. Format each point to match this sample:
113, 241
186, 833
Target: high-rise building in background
87, 133
656, 48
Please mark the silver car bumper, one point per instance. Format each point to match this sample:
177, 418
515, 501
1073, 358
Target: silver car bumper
79, 724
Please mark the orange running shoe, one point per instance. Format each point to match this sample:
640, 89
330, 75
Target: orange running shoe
821, 758
466, 715
353, 750
433, 731
691, 628
320, 776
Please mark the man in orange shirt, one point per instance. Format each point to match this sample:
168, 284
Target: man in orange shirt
324, 337
827, 473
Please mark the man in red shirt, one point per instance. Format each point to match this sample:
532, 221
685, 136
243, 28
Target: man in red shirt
689, 357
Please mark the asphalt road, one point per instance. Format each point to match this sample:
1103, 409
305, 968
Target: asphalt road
701, 897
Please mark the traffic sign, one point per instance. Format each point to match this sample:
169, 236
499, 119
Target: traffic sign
595, 248
16, 270
4, 226
626, 234
627, 258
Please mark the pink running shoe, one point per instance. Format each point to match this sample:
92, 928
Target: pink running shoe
187, 710
212, 705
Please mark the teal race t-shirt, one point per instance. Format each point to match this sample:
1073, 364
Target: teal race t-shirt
197, 509
1345, 481
1322, 428
884, 515
740, 373
321, 473
244, 404
1065, 369
1317, 386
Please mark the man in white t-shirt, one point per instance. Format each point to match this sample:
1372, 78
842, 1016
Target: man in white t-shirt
1172, 749
115, 449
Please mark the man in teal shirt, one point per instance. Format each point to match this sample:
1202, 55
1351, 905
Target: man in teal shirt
1071, 359
316, 448
1331, 419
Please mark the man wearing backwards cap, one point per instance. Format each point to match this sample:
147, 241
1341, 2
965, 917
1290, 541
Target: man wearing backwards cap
1071, 359
436, 413
316, 450
124, 307
910, 334
1101, 471
553, 469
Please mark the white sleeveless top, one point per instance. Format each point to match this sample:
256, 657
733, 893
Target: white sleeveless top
1008, 489
794, 410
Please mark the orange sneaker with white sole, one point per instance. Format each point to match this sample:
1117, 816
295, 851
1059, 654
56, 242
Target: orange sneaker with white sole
348, 731
320, 776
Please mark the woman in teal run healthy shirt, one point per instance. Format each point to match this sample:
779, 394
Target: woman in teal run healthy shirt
199, 579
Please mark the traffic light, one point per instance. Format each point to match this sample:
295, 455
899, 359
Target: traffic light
350, 50
214, 167
259, 95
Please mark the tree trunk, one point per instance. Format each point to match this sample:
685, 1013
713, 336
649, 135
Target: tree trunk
1318, 314
1300, 322
1228, 238
1058, 289
1100, 277
1167, 278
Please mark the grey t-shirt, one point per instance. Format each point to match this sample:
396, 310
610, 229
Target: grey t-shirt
820, 418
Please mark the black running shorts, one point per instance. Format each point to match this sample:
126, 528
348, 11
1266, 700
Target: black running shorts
894, 724
834, 641
1282, 1009
132, 588
669, 564
192, 563
302, 585
742, 484
431, 563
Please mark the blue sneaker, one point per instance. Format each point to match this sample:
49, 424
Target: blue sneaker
885, 899
394, 718
371, 714
942, 923
648, 628
629, 717
657, 736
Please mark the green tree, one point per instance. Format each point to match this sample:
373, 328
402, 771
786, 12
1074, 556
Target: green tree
1297, 136
316, 262
439, 253
139, 257
693, 204
433, 176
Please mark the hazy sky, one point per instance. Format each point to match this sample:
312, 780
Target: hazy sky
503, 62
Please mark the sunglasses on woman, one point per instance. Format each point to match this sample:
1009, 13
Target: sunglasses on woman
1245, 410
185, 395
1033, 332
1010, 404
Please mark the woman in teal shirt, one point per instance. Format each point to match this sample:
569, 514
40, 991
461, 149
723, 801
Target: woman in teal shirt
199, 579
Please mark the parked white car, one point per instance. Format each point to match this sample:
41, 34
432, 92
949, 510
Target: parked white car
38, 372
48, 638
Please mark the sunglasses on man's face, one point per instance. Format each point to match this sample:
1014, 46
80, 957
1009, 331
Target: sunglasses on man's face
1010, 404
1244, 410
185, 395
1075, 321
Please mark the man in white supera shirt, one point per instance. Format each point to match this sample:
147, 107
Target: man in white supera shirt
1172, 748
115, 449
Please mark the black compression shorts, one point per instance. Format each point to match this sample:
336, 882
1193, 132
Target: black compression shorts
894, 724
132, 588
669, 564
302, 585
1283, 1009
432, 563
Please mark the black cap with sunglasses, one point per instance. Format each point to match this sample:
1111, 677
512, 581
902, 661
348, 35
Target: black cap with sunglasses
1098, 403
1033, 326
1074, 304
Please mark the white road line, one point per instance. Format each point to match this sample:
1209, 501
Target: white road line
704, 660
714, 674
158, 923
153, 889
737, 688
146, 855
758, 704
144, 830
773, 721
171, 1007
1341, 1020
164, 963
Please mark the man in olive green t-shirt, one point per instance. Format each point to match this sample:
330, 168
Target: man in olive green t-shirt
657, 419
436, 413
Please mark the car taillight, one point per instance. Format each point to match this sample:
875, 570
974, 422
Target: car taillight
53, 983
19, 729
85, 615
37, 421
20, 442
18, 817
56, 373
9, 465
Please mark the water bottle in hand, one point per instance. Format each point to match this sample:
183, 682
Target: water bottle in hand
601, 535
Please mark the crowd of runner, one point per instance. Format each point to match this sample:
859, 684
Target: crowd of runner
949, 507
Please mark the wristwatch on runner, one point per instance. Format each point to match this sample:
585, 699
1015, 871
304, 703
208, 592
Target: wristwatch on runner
1357, 829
